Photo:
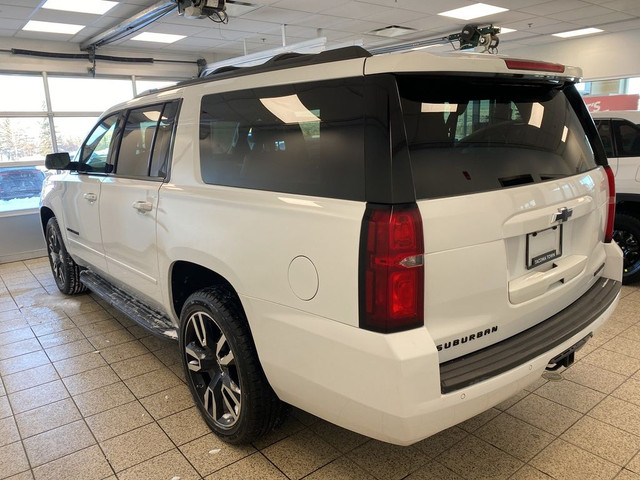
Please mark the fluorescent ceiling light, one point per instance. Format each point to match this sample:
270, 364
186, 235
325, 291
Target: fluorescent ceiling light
438, 107
157, 37
473, 11
537, 113
576, 33
289, 109
52, 27
504, 30
392, 31
97, 7
424, 47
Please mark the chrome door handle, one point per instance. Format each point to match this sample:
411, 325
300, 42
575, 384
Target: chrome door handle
142, 207
90, 197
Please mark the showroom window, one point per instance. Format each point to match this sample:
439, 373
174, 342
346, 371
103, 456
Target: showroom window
55, 116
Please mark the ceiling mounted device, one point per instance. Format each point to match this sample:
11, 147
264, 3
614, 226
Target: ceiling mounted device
471, 36
195, 9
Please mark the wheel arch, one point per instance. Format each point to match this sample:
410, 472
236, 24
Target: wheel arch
187, 277
46, 214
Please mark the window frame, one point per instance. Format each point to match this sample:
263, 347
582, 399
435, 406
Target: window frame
114, 140
124, 117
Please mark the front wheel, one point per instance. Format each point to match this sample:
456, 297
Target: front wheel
65, 271
222, 368
626, 233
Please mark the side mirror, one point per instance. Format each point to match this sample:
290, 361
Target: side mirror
58, 161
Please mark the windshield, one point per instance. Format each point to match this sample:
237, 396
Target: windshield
469, 135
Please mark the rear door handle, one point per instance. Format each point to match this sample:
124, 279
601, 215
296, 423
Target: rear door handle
90, 197
142, 207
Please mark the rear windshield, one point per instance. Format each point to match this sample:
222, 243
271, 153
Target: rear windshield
469, 135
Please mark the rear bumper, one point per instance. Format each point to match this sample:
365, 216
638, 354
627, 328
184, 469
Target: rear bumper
518, 349
389, 386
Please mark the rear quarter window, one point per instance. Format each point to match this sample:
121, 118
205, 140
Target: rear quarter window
469, 135
304, 139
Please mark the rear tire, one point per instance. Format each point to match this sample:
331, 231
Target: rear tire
626, 233
222, 368
66, 271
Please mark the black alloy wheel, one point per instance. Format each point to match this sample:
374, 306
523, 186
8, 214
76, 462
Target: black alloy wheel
65, 270
222, 368
212, 367
626, 234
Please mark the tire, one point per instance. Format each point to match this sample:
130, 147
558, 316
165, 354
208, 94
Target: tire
626, 233
66, 271
222, 368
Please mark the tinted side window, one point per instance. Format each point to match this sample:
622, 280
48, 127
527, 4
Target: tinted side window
305, 139
628, 138
136, 145
95, 151
162, 144
604, 130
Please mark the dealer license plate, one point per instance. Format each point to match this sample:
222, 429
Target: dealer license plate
544, 246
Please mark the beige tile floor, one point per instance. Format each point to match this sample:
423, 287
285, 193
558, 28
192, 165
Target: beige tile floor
86, 394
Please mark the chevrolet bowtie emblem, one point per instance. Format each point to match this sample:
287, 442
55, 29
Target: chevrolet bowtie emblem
563, 215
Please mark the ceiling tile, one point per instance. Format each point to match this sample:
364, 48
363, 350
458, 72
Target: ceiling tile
11, 24
305, 32
581, 13
274, 15
533, 23
320, 21
602, 21
24, 3
516, 4
621, 5
176, 29
357, 10
225, 35
73, 18
311, 6
15, 12
442, 24
540, 40
555, 6
623, 26
432, 6
555, 28
393, 17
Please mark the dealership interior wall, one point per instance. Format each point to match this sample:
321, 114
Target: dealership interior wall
597, 446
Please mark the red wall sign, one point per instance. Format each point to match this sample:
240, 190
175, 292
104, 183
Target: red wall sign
603, 103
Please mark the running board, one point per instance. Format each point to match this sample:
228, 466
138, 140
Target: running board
133, 308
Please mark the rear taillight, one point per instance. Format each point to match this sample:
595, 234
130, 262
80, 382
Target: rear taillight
611, 207
391, 268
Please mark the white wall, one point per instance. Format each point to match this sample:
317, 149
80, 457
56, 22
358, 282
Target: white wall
23, 63
600, 56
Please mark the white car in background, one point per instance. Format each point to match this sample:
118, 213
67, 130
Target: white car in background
620, 134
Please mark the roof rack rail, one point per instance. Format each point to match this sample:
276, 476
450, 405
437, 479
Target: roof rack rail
293, 59
279, 62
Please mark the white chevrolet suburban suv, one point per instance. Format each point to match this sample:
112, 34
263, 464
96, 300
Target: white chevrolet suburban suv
394, 243
620, 134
